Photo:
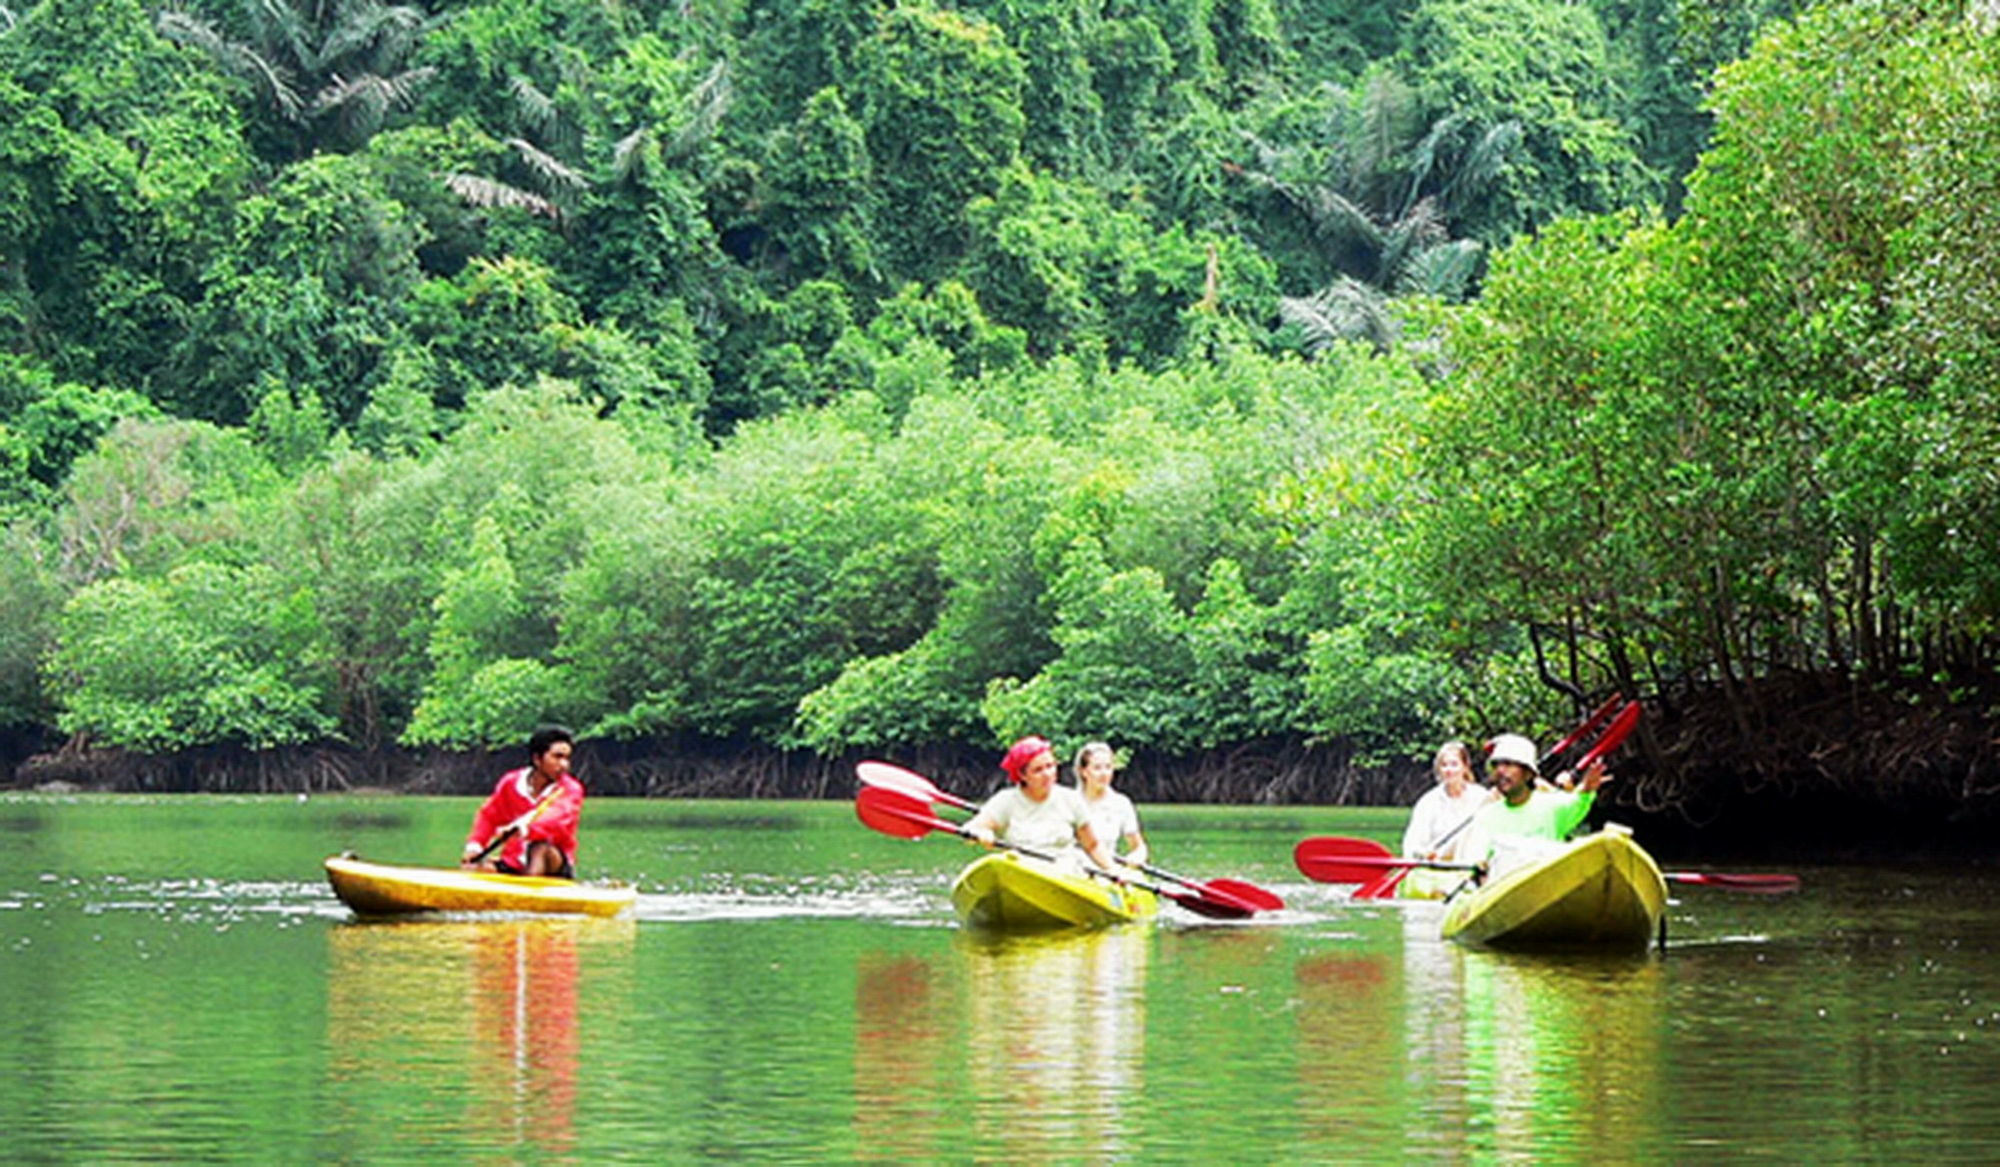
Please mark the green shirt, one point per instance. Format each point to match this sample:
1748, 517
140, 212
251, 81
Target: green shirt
1547, 816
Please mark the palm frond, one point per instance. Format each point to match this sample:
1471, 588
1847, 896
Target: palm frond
237, 60
552, 171
1430, 153
371, 92
1420, 228
487, 192
706, 106
629, 153
537, 109
277, 23
7, 20
382, 34
1346, 309
1387, 109
1445, 271
1483, 162
1339, 219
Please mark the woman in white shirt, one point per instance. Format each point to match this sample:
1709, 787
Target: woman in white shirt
1112, 815
1437, 822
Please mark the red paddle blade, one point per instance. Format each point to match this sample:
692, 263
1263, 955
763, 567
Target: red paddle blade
1614, 735
1597, 717
895, 813
890, 777
1382, 886
1761, 884
1324, 858
1215, 904
1249, 893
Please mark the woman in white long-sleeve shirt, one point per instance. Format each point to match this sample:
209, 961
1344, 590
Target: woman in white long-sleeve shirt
1437, 822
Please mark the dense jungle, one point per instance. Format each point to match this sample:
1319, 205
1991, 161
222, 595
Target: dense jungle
1272, 388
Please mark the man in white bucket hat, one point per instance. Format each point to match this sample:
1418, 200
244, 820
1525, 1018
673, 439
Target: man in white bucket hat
1528, 817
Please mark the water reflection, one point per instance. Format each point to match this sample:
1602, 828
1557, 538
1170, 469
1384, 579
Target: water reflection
483, 1014
1349, 1045
902, 1032
1561, 1052
1050, 1044
1057, 1043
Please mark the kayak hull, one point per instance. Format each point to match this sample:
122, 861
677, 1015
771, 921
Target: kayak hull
384, 889
1602, 891
1008, 892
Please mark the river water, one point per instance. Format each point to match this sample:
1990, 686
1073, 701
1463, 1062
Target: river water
180, 985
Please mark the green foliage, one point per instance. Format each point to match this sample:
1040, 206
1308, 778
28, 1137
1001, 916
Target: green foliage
940, 100
310, 297
827, 374
313, 76
816, 196
1074, 271
505, 323
207, 654
118, 165
1546, 65
156, 493
30, 597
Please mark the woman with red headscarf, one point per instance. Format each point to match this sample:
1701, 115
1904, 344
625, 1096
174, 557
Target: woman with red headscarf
1034, 811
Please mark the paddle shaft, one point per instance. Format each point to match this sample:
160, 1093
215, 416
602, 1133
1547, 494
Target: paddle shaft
1363, 865
1249, 893
518, 825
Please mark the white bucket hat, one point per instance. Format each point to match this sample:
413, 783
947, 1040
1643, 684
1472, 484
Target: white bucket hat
1512, 747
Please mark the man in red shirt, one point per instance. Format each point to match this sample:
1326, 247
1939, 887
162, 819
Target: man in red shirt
536, 809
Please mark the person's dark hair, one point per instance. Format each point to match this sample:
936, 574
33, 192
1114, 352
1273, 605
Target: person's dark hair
548, 735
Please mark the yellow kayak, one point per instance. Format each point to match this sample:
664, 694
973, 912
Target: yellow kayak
1601, 891
1011, 892
382, 889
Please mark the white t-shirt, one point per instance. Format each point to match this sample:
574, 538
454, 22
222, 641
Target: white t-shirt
1112, 817
1048, 825
1438, 814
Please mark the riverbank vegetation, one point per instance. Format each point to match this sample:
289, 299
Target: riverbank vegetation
1271, 390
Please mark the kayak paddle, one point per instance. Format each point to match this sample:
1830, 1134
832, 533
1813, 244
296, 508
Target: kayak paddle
1337, 859
1597, 717
520, 823
908, 782
884, 776
1771, 883
895, 813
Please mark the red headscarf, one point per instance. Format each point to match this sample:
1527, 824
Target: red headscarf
1021, 753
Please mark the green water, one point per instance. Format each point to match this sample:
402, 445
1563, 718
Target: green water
181, 986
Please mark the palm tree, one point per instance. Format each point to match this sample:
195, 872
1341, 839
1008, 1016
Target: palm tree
1380, 195
328, 72
540, 182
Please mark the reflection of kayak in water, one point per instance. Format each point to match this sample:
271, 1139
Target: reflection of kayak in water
1429, 883
1602, 891
1013, 893
382, 889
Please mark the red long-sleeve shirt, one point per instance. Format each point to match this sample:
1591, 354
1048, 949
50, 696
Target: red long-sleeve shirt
512, 797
